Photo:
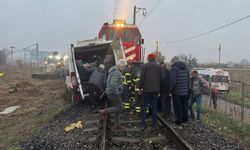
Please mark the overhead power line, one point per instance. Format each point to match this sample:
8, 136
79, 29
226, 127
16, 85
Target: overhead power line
208, 32
150, 12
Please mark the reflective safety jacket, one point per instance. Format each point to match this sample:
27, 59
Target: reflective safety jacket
1, 74
127, 77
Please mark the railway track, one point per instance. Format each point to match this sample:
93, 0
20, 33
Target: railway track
100, 135
131, 136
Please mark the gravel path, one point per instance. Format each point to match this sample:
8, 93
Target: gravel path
201, 137
53, 136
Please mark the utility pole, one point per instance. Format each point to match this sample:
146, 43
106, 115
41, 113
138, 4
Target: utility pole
136, 10
219, 54
37, 58
157, 46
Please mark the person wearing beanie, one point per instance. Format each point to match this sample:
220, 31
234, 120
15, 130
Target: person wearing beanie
179, 85
149, 86
114, 90
151, 56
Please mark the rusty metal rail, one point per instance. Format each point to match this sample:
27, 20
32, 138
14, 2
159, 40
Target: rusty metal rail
180, 142
103, 143
176, 138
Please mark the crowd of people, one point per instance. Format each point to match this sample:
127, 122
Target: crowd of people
154, 89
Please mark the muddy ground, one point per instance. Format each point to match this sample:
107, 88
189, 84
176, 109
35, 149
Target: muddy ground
39, 100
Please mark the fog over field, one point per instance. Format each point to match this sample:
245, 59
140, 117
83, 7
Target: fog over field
58, 23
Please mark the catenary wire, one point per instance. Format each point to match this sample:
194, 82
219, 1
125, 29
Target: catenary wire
150, 12
208, 32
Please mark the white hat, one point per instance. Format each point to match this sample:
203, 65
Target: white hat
121, 63
101, 66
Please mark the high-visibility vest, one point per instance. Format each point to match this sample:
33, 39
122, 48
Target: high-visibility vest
1, 74
127, 78
136, 81
137, 109
126, 105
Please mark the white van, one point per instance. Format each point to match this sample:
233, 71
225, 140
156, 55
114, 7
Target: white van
216, 77
89, 53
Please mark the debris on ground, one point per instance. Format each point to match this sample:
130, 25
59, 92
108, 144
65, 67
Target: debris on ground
13, 90
9, 110
39, 100
73, 125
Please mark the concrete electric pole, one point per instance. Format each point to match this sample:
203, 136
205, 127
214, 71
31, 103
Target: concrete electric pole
37, 57
219, 54
157, 46
136, 10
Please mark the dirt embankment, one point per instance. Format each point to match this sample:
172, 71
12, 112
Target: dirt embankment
39, 102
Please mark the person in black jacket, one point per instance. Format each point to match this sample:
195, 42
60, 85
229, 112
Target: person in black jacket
179, 85
149, 85
165, 99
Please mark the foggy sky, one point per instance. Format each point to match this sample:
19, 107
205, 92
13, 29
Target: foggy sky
55, 24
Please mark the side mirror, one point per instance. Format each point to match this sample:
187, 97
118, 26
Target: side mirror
142, 41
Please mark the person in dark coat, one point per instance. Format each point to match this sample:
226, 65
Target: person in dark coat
149, 86
84, 70
98, 77
164, 90
179, 85
97, 84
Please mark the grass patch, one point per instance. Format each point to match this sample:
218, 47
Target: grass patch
234, 129
15, 148
235, 97
51, 115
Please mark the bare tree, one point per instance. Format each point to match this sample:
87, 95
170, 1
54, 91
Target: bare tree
189, 60
3, 57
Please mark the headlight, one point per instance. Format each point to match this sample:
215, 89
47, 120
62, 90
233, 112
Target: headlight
58, 57
59, 63
66, 57
46, 62
50, 56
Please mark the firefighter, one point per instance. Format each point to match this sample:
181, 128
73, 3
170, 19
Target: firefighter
137, 96
127, 82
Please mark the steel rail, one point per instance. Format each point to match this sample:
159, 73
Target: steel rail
103, 145
104, 136
180, 142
